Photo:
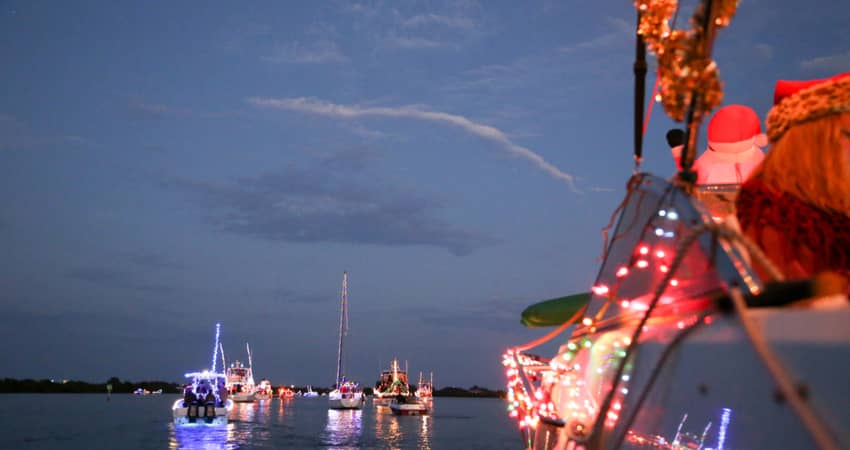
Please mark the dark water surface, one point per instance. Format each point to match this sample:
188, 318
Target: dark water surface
88, 421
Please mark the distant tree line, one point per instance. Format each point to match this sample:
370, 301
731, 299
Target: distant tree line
47, 386
474, 391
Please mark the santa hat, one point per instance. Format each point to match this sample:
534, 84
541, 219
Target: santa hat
796, 102
735, 129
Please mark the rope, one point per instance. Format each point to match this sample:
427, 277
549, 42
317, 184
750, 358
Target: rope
553, 333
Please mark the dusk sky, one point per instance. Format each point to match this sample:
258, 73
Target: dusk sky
168, 165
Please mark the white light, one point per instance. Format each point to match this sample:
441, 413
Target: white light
659, 232
672, 215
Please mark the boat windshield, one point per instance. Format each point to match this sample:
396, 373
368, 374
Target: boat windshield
660, 245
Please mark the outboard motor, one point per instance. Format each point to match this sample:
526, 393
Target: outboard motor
209, 408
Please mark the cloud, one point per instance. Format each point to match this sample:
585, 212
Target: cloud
328, 203
436, 19
394, 41
601, 189
112, 278
15, 135
320, 52
620, 31
315, 106
148, 111
829, 63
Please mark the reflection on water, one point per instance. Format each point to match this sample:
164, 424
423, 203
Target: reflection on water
390, 430
343, 428
201, 437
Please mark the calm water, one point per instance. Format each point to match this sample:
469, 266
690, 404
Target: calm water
86, 421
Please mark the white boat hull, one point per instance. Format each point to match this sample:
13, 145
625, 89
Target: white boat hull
382, 401
410, 409
200, 414
346, 401
262, 397
242, 398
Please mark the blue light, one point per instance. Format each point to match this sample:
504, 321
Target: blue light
215, 349
724, 423
669, 234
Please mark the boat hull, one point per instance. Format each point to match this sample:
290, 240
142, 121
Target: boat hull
382, 401
242, 398
200, 414
346, 401
410, 409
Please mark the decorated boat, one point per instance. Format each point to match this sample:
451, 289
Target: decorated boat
393, 382
680, 343
240, 382
204, 399
425, 388
346, 394
264, 391
284, 392
310, 393
410, 405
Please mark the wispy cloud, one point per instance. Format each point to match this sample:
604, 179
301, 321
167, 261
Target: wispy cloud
320, 52
113, 278
436, 19
15, 135
142, 110
492, 134
601, 189
394, 41
829, 63
326, 202
620, 30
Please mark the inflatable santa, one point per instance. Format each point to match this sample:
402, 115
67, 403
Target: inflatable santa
734, 147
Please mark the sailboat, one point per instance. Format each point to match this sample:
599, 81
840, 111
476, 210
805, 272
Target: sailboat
678, 321
346, 394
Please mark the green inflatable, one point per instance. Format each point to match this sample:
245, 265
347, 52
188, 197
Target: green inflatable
555, 311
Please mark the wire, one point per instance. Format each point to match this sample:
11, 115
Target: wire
780, 375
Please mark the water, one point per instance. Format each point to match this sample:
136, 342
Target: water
85, 421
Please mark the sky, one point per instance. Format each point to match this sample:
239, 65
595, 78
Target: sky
165, 166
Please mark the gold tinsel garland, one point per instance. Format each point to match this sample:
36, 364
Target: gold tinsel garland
684, 56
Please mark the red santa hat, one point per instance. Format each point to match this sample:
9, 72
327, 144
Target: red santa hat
796, 102
735, 129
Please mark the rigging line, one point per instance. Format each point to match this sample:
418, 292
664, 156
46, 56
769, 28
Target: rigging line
783, 381
656, 370
541, 340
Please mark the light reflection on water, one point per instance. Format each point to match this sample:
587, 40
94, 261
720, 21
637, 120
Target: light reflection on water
343, 429
390, 429
201, 437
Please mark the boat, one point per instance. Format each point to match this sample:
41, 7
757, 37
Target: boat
310, 392
679, 343
142, 391
240, 379
346, 394
410, 405
204, 399
285, 392
425, 388
264, 390
392, 382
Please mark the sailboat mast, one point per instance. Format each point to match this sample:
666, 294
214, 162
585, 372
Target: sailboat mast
343, 316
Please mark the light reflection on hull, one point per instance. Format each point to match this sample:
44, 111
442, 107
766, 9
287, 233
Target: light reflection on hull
343, 428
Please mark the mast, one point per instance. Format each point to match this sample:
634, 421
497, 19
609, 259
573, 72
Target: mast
250, 364
216, 345
343, 326
223, 361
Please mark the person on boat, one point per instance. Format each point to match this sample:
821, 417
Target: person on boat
734, 146
796, 205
